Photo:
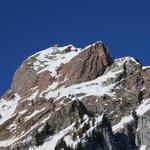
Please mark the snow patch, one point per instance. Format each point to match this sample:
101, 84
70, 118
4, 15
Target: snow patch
33, 96
143, 147
22, 112
51, 58
145, 67
122, 60
142, 109
51, 142
93, 44
7, 108
123, 121
12, 127
94, 87
33, 114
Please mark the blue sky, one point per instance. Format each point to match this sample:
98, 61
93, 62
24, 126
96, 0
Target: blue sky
27, 26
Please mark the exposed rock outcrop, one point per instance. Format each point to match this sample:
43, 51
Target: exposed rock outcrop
143, 131
86, 66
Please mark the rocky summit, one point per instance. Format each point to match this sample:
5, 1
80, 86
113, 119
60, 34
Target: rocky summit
68, 98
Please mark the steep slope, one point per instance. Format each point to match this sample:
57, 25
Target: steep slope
60, 96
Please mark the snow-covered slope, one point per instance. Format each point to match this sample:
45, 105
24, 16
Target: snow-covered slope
69, 91
51, 58
7, 108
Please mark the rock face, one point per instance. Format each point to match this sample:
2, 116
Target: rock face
77, 99
143, 131
86, 66
26, 78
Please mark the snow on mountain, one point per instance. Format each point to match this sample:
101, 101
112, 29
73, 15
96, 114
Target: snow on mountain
7, 108
49, 93
51, 58
51, 142
143, 108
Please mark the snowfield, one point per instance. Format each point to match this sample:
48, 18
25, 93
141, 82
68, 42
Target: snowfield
51, 58
7, 108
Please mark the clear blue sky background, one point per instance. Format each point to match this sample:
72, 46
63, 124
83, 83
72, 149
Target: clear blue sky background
27, 26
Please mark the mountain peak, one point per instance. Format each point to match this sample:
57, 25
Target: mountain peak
59, 96
66, 65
